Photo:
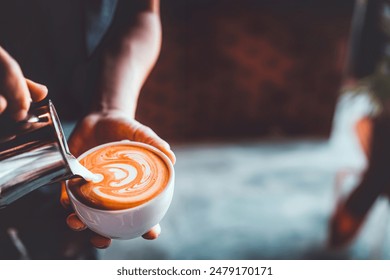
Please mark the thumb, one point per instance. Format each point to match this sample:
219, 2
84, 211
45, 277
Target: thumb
145, 134
37, 91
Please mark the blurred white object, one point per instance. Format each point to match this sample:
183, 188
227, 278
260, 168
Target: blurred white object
343, 141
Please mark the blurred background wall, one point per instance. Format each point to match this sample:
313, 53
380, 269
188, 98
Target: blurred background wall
241, 69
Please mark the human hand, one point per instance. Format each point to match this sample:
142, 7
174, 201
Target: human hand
16, 92
99, 128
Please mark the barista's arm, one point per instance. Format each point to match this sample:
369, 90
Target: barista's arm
129, 55
16, 92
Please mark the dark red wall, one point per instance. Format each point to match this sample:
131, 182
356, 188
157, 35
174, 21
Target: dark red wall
239, 69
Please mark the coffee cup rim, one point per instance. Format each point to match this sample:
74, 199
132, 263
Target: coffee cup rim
133, 143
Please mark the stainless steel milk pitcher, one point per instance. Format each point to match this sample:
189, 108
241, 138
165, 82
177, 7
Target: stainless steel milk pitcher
33, 153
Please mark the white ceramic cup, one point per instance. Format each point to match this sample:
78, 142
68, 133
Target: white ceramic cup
132, 222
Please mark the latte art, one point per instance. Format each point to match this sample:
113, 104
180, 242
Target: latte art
125, 176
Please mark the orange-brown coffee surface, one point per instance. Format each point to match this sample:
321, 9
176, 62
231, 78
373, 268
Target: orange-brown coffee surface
126, 176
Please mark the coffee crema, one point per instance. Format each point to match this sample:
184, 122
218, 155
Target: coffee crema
126, 176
